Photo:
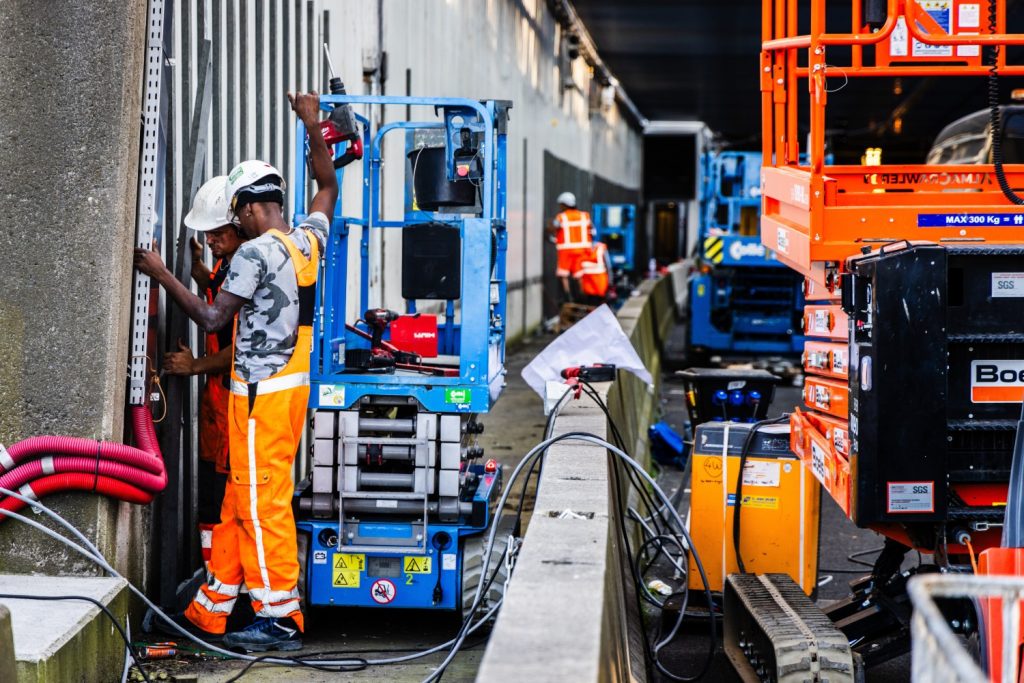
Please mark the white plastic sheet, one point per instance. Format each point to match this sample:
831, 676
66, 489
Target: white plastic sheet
598, 338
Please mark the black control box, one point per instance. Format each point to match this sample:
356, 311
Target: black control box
936, 378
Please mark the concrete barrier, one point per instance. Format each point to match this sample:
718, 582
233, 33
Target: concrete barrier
69, 640
570, 613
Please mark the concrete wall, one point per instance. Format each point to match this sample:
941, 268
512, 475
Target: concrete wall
70, 101
571, 604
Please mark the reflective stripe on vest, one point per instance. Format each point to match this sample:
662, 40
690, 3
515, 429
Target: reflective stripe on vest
574, 230
271, 385
598, 266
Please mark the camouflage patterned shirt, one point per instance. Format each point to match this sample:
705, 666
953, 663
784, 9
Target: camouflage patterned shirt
268, 323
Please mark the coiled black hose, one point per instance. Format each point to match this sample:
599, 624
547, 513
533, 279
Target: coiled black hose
995, 115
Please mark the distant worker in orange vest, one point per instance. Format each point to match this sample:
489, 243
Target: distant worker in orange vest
574, 238
593, 274
210, 216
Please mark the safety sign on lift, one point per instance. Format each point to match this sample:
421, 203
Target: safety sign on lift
968, 220
416, 564
910, 496
346, 569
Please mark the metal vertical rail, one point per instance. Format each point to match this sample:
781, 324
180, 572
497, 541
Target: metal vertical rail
150, 169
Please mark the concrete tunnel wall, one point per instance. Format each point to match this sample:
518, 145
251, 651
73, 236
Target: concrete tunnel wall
70, 97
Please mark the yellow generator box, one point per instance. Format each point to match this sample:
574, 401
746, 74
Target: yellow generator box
778, 513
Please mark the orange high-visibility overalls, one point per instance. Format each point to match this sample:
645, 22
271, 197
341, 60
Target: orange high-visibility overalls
593, 272
573, 239
213, 426
255, 540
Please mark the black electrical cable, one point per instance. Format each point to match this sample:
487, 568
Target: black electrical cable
995, 113
657, 519
642, 588
747, 444
537, 465
106, 610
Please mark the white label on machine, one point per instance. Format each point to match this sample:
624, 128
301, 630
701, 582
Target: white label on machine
968, 50
613, 217
898, 39
448, 562
332, 395
782, 240
997, 381
818, 461
1007, 285
384, 503
762, 473
942, 12
736, 384
910, 496
969, 15
839, 361
319, 557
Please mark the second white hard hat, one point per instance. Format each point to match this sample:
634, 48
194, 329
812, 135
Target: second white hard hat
210, 208
567, 198
243, 176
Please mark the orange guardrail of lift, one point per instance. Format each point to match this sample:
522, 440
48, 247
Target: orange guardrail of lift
815, 216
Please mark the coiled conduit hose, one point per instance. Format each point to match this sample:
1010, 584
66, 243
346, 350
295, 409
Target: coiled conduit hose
41, 465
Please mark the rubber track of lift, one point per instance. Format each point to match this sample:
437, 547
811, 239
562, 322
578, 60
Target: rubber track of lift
771, 612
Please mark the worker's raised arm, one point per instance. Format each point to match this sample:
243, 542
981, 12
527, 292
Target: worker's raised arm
307, 108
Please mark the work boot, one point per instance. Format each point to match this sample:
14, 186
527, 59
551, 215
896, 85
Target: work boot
162, 627
266, 633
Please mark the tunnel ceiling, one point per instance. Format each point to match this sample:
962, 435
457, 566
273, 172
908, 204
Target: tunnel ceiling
698, 59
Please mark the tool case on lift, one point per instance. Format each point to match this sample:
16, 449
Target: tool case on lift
950, 351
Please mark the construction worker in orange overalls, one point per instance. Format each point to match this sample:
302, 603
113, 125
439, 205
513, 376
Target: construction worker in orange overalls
593, 274
210, 215
270, 285
574, 238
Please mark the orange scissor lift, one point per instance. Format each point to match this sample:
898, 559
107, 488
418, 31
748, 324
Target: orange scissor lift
856, 227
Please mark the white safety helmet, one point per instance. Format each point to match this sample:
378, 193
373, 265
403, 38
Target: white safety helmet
245, 175
568, 199
210, 207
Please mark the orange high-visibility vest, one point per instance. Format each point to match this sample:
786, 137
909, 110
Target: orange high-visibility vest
593, 272
575, 231
213, 404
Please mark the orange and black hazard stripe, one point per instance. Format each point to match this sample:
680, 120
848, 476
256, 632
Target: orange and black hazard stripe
714, 249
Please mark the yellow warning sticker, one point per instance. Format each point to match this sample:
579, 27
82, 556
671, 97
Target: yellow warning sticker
350, 562
762, 502
344, 578
415, 564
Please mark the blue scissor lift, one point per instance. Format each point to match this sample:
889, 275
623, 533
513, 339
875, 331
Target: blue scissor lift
615, 226
743, 302
397, 499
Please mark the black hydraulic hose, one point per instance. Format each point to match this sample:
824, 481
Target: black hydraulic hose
995, 113
747, 443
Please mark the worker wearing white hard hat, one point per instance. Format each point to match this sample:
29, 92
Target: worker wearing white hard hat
270, 285
574, 238
209, 215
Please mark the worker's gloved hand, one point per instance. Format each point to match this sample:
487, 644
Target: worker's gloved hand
306, 106
180, 362
149, 262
